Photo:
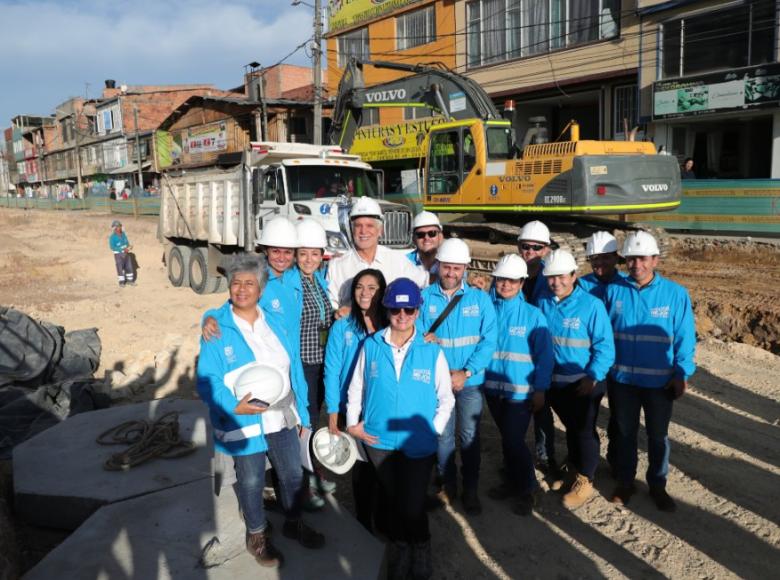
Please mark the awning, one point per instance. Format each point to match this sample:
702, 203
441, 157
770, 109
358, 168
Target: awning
130, 168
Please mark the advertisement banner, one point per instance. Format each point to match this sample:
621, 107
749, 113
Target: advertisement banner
348, 13
206, 139
392, 142
733, 90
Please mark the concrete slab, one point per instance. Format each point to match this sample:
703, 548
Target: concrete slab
59, 480
162, 536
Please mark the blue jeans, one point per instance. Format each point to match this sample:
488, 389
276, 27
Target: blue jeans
512, 419
657, 406
468, 410
284, 451
544, 433
250, 475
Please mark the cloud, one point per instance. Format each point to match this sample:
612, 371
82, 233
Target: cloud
51, 49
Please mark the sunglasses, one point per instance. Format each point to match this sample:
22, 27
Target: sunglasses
429, 233
397, 311
534, 247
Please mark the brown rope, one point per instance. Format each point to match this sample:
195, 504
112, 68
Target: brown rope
147, 440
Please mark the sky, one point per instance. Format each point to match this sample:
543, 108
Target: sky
50, 49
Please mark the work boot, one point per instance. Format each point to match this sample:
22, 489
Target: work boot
502, 491
422, 566
399, 561
622, 494
526, 502
471, 503
663, 500
265, 553
581, 491
306, 536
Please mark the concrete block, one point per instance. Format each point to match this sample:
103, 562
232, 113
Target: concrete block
59, 480
162, 535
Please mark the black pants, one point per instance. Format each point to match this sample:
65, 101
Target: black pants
315, 381
579, 415
404, 481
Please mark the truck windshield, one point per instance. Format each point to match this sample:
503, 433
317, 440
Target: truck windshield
306, 182
499, 142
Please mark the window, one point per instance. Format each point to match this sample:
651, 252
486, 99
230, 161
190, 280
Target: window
444, 172
412, 113
732, 38
370, 116
499, 143
499, 30
353, 44
108, 122
416, 28
624, 108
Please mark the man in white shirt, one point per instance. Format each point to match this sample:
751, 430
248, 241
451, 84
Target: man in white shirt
366, 221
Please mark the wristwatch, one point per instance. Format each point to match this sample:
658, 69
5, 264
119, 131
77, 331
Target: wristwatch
467, 372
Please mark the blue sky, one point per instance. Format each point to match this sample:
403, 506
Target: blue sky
50, 49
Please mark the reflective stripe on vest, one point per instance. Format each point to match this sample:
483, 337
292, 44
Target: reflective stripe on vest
643, 371
507, 387
457, 342
238, 434
512, 356
574, 342
643, 337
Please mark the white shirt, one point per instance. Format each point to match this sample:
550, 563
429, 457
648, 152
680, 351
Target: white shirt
443, 384
266, 347
391, 263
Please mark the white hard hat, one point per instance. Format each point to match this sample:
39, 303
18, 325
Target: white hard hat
311, 234
511, 266
264, 381
535, 231
279, 233
337, 453
601, 243
425, 218
559, 262
640, 244
454, 251
365, 206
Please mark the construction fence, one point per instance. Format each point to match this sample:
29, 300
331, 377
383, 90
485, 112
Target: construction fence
136, 206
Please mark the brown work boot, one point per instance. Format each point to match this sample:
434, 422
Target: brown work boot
265, 553
581, 491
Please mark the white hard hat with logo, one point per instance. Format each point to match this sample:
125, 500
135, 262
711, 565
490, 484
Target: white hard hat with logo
454, 251
512, 267
279, 233
337, 453
425, 218
601, 243
640, 244
311, 234
535, 231
558, 263
365, 207
262, 381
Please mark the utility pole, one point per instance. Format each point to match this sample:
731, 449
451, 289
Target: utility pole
138, 149
77, 135
317, 55
263, 109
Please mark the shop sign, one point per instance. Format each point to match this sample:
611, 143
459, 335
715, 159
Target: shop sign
391, 142
206, 139
348, 13
733, 90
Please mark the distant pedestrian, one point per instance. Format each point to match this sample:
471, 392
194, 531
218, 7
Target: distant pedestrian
121, 247
687, 172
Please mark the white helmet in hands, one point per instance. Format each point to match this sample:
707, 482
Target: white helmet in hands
262, 381
365, 207
454, 251
336, 453
558, 263
601, 243
535, 231
279, 233
512, 267
640, 244
311, 234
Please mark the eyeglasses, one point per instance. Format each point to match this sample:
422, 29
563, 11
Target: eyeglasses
429, 233
534, 247
397, 311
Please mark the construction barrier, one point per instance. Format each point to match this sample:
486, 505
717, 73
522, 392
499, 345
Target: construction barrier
136, 206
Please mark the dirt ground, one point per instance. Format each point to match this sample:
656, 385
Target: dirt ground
725, 462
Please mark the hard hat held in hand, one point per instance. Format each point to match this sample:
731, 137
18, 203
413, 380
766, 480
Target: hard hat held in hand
601, 243
337, 453
365, 207
454, 251
535, 231
402, 293
311, 234
512, 267
424, 219
264, 382
640, 244
558, 263
279, 233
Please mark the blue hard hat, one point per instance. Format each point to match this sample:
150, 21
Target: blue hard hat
402, 293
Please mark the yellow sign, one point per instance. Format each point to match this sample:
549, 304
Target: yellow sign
392, 142
348, 13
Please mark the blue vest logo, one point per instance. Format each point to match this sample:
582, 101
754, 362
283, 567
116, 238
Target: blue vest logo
494, 190
325, 209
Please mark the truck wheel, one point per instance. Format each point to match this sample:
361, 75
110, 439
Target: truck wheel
200, 281
178, 264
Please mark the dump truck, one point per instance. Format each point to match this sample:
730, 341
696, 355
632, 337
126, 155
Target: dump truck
211, 213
